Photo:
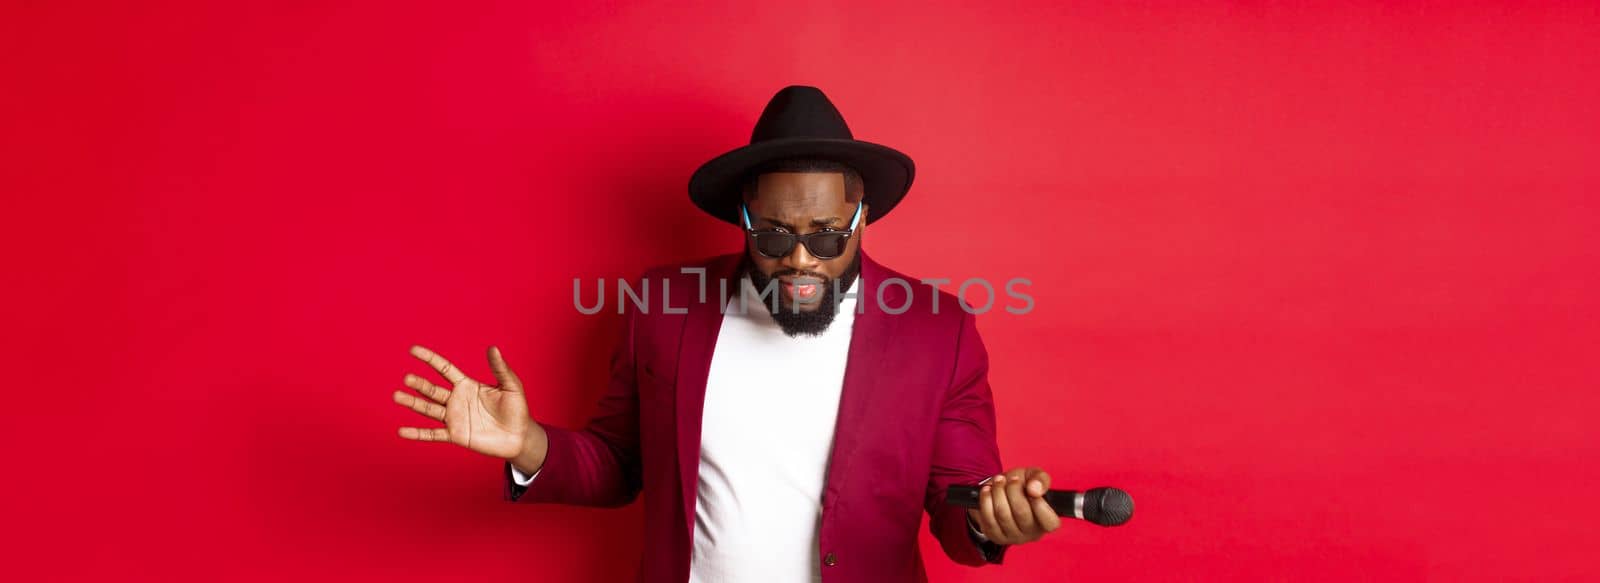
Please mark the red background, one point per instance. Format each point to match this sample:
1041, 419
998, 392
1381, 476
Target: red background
1315, 282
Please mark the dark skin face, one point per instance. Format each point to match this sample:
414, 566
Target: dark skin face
802, 202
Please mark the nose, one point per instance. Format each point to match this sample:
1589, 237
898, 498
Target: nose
800, 259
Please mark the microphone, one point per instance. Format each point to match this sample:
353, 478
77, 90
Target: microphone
1103, 506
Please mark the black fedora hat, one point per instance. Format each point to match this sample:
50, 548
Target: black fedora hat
799, 121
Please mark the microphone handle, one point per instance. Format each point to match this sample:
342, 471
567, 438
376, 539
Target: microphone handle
1067, 503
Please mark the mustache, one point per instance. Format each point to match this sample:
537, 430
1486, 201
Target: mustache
798, 273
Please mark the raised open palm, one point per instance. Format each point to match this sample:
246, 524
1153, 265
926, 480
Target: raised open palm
492, 420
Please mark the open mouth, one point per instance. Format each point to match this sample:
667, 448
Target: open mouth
805, 289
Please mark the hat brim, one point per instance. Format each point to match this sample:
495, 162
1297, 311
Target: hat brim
886, 173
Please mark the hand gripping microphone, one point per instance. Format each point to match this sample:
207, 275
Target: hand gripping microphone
1102, 506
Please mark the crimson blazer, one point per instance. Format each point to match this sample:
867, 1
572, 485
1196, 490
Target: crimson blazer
915, 416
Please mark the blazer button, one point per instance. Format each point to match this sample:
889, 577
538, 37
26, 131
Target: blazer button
829, 560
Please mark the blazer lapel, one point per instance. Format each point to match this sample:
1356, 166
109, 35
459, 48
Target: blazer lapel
699, 340
872, 331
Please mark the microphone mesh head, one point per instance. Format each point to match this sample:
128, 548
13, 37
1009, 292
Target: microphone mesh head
1107, 506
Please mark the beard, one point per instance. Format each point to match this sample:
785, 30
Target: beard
790, 318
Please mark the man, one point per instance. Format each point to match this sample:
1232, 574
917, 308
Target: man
789, 424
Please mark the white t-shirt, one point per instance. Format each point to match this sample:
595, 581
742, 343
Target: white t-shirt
765, 438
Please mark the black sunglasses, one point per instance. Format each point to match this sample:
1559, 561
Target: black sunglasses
821, 244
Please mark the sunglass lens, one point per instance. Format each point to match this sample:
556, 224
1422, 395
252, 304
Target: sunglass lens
827, 245
774, 244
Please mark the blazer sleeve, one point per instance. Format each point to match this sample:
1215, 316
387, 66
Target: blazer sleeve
965, 450
597, 465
